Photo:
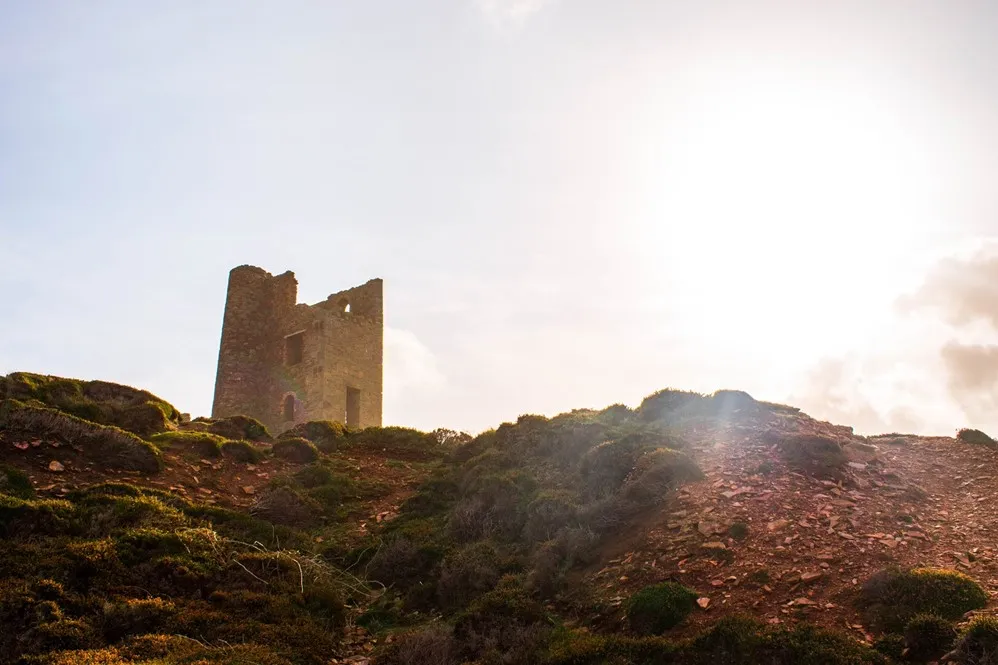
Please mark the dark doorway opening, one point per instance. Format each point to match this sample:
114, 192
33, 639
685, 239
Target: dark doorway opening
289, 408
353, 407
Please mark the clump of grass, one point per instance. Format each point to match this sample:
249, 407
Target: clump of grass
327, 435
111, 446
241, 451
398, 442
657, 608
203, 444
99, 402
976, 437
15, 482
738, 530
817, 454
893, 597
928, 637
658, 471
296, 450
239, 428
978, 643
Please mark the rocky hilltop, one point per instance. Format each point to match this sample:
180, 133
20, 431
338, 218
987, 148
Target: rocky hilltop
690, 529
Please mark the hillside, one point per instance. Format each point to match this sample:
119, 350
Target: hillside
691, 529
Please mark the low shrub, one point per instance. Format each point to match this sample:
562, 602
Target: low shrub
978, 643
605, 466
656, 472
239, 428
99, 402
28, 517
202, 444
296, 450
15, 483
327, 435
241, 451
398, 442
817, 454
283, 505
504, 625
891, 645
976, 437
892, 597
739, 530
402, 563
467, 574
657, 608
110, 446
431, 645
928, 637
135, 617
548, 513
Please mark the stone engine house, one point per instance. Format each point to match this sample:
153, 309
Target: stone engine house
283, 363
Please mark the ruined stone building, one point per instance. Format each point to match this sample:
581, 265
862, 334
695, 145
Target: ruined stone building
283, 362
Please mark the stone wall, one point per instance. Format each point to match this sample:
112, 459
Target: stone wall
284, 363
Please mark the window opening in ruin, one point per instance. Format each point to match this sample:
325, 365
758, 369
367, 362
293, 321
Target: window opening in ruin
353, 407
289, 408
294, 351
344, 305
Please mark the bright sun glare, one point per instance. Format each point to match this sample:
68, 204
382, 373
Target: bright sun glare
789, 187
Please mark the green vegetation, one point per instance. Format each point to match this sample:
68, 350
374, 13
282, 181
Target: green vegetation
15, 483
241, 451
202, 444
976, 437
473, 570
978, 644
655, 609
115, 568
325, 434
236, 428
296, 450
816, 454
99, 402
732, 641
113, 447
927, 637
739, 530
893, 596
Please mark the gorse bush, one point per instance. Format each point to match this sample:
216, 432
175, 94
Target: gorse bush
976, 437
327, 435
203, 444
893, 597
978, 643
656, 609
296, 450
928, 637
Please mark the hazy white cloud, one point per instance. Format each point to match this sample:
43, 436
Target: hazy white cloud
413, 378
510, 12
931, 368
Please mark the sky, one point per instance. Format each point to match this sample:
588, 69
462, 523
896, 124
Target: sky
573, 203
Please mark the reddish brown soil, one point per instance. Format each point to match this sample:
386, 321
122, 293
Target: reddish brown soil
219, 481
920, 502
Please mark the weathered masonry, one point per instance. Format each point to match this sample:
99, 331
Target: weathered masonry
283, 363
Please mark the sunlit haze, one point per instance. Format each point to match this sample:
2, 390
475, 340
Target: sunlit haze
572, 203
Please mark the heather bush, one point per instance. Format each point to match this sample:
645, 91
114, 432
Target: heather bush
893, 596
657, 608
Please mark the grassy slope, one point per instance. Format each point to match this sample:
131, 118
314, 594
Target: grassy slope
472, 570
